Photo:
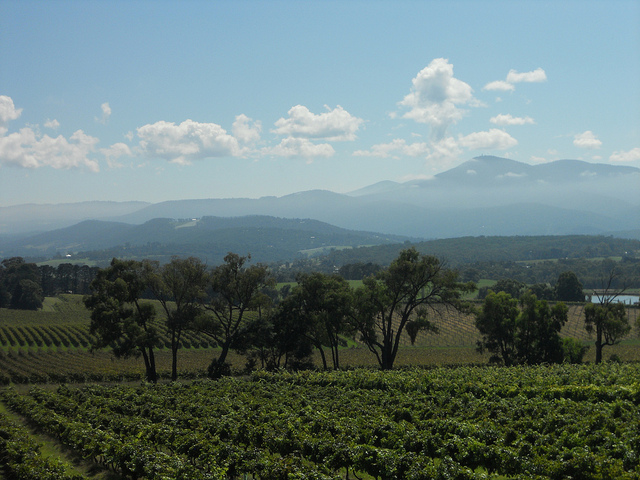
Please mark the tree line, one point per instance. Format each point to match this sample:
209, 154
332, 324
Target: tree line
238, 306
23, 285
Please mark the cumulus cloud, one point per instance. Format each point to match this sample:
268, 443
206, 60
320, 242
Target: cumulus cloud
114, 152
510, 120
587, 140
537, 75
333, 125
436, 96
8, 112
444, 151
292, 147
632, 155
494, 139
106, 113
186, 142
245, 130
52, 124
28, 149
500, 85
397, 146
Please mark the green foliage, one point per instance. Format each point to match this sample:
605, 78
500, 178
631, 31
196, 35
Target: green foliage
569, 288
323, 305
387, 302
234, 291
529, 334
19, 285
120, 319
543, 422
608, 321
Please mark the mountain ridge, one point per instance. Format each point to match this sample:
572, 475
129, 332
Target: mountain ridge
565, 196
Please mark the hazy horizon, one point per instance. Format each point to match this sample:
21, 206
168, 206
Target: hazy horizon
156, 101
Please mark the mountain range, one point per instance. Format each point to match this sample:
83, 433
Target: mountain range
484, 196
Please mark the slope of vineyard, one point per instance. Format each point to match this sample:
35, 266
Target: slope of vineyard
467, 423
53, 345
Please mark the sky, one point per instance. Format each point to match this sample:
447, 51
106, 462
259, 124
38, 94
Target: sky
157, 100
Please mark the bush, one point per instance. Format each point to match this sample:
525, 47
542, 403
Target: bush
573, 350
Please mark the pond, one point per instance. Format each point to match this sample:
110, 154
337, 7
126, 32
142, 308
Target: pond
626, 299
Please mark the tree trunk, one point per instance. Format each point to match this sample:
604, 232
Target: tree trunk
150, 365
598, 344
322, 355
174, 363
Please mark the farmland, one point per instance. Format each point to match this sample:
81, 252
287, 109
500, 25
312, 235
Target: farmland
53, 345
563, 421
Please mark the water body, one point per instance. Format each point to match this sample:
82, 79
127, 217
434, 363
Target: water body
626, 299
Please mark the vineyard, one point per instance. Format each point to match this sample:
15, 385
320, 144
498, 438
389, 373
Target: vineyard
547, 422
53, 346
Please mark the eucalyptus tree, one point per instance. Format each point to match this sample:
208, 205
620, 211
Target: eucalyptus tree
521, 332
607, 318
412, 285
179, 286
323, 304
235, 299
120, 318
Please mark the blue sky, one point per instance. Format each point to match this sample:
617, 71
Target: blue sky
161, 100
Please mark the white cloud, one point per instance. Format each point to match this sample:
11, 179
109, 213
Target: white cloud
291, 147
494, 139
444, 152
186, 142
435, 96
245, 131
510, 120
632, 155
52, 124
587, 140
416, 176
28, 149
535, 159
333, 125
114, 152
8, 112
398, 145
106, 113
499, 85
537, 75
512, 175
472, 172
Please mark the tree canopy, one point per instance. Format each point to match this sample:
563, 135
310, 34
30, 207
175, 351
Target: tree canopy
395, 295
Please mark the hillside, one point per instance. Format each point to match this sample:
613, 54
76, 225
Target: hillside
267, 239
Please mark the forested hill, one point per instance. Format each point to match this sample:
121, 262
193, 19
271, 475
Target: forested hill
267, 239
466, 250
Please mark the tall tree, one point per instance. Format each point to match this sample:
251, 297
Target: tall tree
324, 304
385, 303
119, 316
606, 317
497, 323
233, 291
20, 287
527, 333
569, 288
179, 286
538, 331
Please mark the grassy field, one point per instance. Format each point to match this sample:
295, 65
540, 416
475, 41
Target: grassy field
53, 345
